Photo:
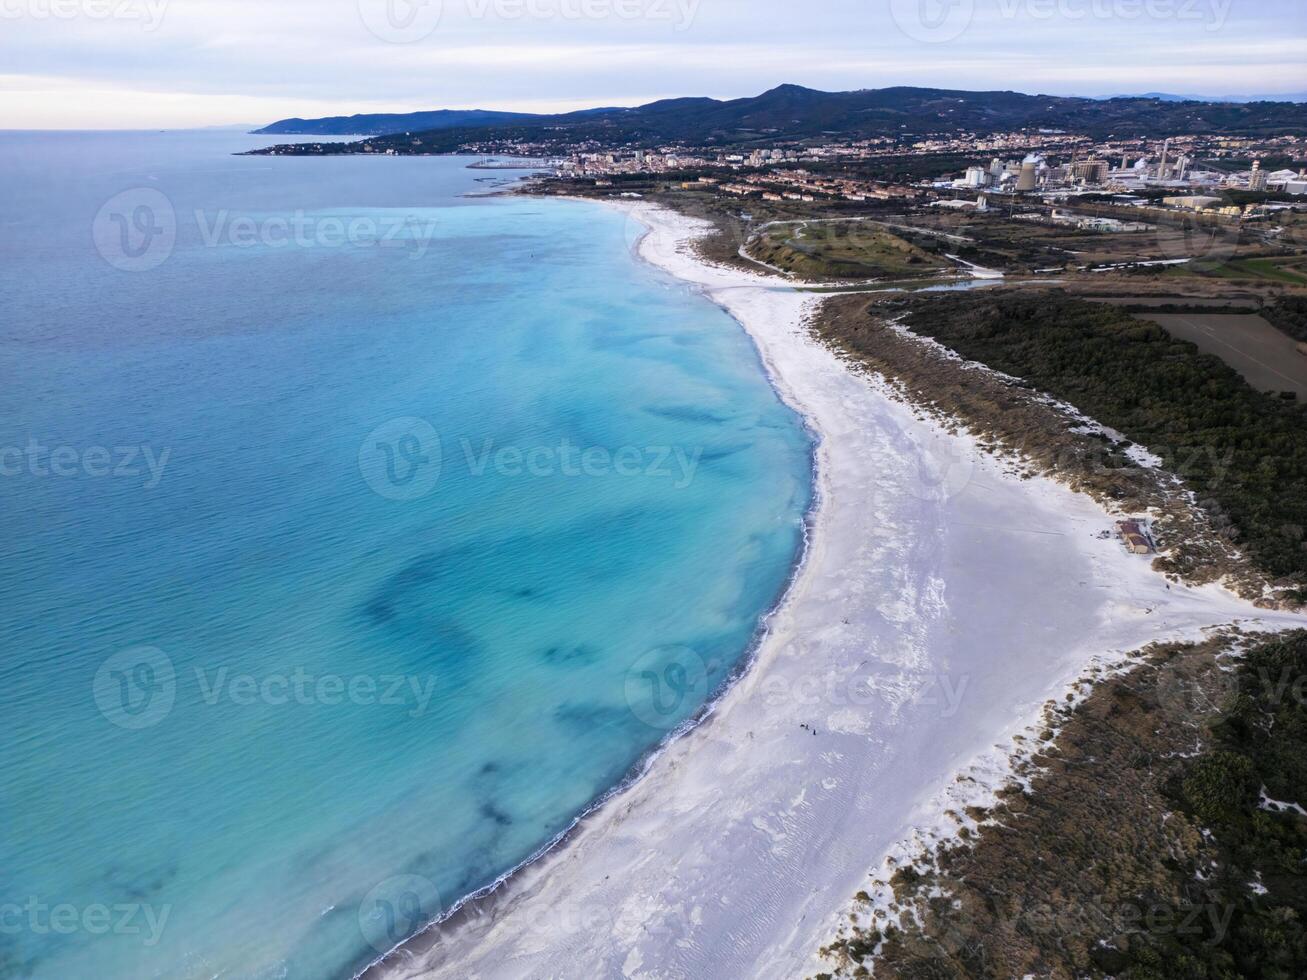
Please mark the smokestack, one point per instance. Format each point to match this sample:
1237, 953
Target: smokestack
1028, 180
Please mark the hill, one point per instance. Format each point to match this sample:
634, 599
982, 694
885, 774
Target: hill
383, 123
794, 112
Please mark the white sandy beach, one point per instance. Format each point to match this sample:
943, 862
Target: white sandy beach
942, 602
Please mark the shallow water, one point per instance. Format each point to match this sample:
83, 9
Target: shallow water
359, 534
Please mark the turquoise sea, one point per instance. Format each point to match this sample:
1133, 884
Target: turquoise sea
358, 535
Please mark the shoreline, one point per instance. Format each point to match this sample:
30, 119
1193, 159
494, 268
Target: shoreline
741, 906
466, 906
449, 918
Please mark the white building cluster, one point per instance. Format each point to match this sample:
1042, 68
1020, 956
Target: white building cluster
1168, 166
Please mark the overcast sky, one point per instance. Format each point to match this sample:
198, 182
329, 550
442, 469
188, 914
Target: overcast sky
167, 63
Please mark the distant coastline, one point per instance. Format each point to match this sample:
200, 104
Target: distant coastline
789, 112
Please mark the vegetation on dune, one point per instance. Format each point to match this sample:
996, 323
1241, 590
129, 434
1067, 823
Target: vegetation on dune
1132, 855
1243, 452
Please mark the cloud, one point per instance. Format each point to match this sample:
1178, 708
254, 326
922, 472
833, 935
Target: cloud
199, 62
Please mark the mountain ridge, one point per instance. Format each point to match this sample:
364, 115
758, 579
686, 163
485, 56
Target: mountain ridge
791, 111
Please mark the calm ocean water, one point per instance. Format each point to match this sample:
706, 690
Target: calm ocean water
358, 534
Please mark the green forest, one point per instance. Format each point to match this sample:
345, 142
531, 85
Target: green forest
1289, 313
1257, 743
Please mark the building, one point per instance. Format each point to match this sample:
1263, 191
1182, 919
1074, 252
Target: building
1090, 171
977, 177
1135, 537
1194, 202
1257, 180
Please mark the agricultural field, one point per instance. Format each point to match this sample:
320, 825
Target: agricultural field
1267, 358
1289, 270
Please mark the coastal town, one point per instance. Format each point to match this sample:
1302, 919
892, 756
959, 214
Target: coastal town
1195, 172
1207, 175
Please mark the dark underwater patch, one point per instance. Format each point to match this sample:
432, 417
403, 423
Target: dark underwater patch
726, 452
142, 885
498, 816
564, 654
691, 414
